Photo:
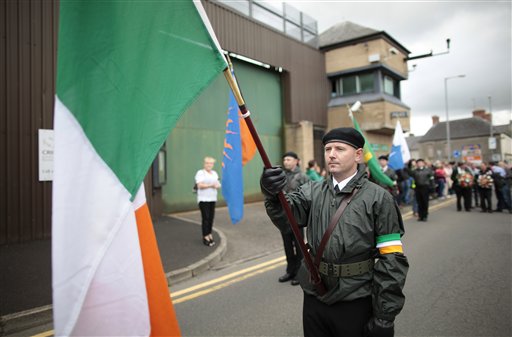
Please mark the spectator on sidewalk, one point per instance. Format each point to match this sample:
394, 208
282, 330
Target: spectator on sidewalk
501, 187
388, 171
207, 182
475, 171
313, 171
485, 183
448, 170
462, 184
440, 179
424, 180
411, 166
294, 179
508, 179
362, 298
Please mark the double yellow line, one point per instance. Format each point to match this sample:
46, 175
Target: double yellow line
225, 281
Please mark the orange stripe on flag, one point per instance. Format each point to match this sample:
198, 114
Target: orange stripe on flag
161, 311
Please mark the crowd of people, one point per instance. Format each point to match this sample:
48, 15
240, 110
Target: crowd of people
421, 181
417, 183
471, 183
356, 301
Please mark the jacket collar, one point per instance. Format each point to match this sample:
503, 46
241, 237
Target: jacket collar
357, 181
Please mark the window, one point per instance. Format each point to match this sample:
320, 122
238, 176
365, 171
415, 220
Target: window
334, 88
389, 87
354, 84
349, 85
366, 83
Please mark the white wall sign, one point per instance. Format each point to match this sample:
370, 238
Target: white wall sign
492, 143
45, 155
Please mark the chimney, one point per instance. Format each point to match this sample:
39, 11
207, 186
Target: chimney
479, 113
482, 114
435, 120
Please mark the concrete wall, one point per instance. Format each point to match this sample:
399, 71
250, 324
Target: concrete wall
299, 138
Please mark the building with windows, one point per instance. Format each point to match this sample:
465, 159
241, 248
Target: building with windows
363, 64
469, 140
296, 83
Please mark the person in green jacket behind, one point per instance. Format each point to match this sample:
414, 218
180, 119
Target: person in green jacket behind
363, 297
313, 171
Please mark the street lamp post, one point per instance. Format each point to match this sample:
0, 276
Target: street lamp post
447, 116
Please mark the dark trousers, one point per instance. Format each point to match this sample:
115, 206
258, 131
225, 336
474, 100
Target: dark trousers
293, 253
341, 319
503, 196
476, 193
207, 214
463, 194
485, 199
422, 193
500, 204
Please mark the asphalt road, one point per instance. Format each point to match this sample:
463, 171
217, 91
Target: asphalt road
459, 284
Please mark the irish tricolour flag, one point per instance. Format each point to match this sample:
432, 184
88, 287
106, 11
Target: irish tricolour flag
126, 72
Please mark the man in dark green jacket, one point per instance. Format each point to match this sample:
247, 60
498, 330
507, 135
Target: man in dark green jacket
363, 296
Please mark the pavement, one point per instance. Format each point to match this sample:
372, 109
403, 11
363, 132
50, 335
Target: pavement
25, 280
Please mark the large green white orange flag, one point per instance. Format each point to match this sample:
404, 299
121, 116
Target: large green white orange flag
126, 72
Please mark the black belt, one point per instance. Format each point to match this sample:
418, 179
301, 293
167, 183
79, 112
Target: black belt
346, 270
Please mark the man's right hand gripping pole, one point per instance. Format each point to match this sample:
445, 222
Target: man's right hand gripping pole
273, 180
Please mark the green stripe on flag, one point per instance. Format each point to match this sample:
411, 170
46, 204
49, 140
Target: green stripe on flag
388, 237
127, 70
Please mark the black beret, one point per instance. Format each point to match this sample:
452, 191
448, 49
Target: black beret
290, 154
383, 157
348, 136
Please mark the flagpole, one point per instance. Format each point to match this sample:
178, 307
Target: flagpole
313, 270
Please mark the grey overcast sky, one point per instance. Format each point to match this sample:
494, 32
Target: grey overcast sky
480, 33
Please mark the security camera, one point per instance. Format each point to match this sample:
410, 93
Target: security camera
393, 51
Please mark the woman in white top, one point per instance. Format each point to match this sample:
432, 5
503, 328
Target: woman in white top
207, 182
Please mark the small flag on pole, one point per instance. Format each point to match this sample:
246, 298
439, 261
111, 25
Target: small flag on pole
399, 150
126, 72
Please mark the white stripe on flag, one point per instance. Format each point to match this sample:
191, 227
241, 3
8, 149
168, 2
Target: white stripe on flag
96, 259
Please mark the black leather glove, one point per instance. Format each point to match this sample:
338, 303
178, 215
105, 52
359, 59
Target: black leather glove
272, 181
377, 327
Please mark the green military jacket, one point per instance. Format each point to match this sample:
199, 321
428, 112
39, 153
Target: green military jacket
371, 219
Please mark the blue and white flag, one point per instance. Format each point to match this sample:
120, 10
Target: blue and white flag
399, 150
